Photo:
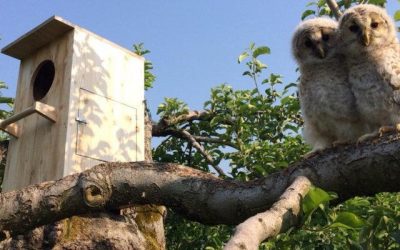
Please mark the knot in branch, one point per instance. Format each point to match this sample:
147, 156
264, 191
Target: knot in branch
96, 189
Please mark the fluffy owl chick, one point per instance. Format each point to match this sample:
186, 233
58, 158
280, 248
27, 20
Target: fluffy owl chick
327, 103
368, 38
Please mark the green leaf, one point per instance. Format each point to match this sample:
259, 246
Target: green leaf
321, 3
350, 220
313, 199
6, 100
377, 2
290, 85
242, 56
397, 16
358, 202
261, 51
307, 13
310, 4
287, 99
338, 224
252, 44
260, 65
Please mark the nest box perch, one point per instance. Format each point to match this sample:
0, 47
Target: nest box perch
79, 103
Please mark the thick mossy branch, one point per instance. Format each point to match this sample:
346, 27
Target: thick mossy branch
349, 171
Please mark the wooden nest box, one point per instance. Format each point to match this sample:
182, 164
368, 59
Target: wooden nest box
79, 103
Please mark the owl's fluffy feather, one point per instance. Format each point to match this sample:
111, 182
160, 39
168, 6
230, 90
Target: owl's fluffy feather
327, 103
369, 40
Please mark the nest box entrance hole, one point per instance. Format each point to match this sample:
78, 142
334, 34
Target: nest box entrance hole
43, 79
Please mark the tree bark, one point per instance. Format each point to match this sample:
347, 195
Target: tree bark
349, 170
283, 214
334, 8
3, 158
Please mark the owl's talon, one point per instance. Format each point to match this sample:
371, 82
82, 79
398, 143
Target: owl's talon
368, 137
398, 127
379, 133
340, 143
387, 129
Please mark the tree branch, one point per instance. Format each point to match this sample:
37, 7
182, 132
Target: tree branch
334, 8
184, 134
348, 170
159, 128
215, 140
190, 116
202, 151
166, 123
282, 215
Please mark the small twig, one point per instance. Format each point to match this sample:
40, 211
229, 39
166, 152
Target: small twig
202, 151
190, 116
282, 215
184, 134
334, 8
159, 128
214, 140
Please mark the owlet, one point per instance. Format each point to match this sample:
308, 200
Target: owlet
327, 103
368, 38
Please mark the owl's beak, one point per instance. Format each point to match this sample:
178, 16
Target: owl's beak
365, 37
320, 51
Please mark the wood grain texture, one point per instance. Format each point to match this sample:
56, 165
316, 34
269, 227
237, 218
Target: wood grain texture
112, 80
38, 37
107, 90
46, 111
107, 129
38, 154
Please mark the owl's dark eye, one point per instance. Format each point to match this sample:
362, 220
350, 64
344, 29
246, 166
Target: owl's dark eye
308, 43
325, 37
374, 25
354, 28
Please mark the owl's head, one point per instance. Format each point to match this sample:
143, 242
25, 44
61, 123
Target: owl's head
366, 27
314, 40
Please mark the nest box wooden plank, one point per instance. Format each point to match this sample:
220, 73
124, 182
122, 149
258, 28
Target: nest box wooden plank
79, 102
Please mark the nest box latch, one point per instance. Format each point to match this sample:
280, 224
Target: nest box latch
81, 120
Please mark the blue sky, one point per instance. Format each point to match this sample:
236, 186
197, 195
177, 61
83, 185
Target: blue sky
194, 44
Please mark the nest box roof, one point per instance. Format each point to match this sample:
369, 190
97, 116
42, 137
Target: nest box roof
38, 37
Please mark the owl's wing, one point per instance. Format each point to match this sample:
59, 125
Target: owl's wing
392, 72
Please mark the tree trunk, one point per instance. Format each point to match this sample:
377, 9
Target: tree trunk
137, 227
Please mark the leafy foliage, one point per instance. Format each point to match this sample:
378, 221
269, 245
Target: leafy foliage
5, 107
258, 128
321, 8
359, 223
184, 234
6, 103
172, 107
149, 77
